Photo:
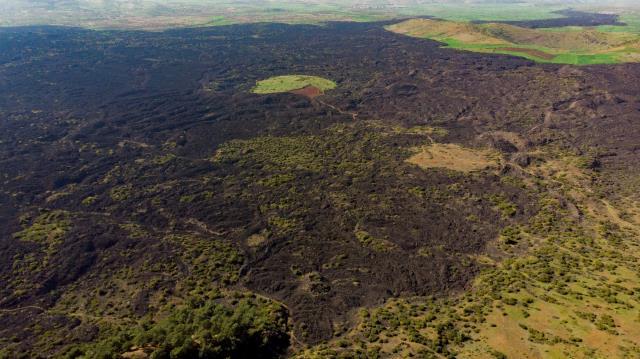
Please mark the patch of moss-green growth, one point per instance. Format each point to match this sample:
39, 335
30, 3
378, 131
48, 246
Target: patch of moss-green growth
288, 83
377, 244
161, 160
425, 252
48, 228
511, 235
187, 198
506, 208
275, 153
89, 200
605, 322
135, 230
277, 180
120, 193
283, 224
426, 130
417, 191
539, 337
335, 262
211, 258
587, 316
611, 232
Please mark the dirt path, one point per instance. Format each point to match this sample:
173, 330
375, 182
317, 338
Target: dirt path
354, 115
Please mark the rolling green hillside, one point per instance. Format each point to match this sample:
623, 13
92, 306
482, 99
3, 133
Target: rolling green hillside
569, 45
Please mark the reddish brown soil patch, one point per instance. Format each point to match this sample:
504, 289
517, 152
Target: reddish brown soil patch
537, 53
309, 91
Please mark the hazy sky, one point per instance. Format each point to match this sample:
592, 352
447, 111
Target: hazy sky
151, 14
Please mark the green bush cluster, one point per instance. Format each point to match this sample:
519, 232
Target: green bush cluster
48, 228
506, 207
202, 329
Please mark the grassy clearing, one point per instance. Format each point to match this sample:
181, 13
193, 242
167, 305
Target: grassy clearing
573, 45
288, 83
453, 157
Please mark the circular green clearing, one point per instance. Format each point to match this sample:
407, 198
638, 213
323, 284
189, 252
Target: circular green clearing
292, 82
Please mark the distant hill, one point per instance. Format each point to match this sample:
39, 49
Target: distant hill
564, 45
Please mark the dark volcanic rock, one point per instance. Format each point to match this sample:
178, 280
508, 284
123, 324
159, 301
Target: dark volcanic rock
122, 131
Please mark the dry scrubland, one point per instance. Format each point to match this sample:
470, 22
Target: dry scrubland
453, 157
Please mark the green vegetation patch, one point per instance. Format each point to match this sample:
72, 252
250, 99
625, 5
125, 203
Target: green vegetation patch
48, 228
288, 83
276, 153
376, 244
203, 328
214, 259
